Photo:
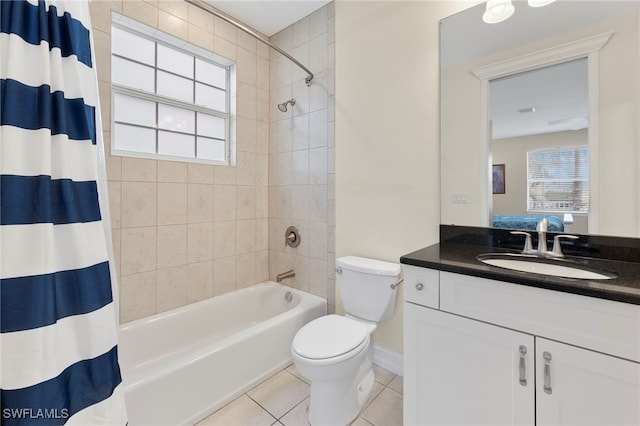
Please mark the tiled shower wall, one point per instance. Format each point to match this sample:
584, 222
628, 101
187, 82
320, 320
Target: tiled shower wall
301, 153
183, 232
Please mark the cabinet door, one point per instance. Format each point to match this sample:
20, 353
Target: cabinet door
577, 386
464, 372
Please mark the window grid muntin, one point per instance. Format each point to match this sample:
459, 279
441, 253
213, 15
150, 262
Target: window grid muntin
160, 100
579, 183
226, 115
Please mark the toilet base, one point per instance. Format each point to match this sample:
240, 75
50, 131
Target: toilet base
338, 403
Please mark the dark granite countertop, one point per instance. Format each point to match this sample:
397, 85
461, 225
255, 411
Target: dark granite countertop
457, 253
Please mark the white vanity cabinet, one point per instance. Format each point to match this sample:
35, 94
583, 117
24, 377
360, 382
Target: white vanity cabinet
483, 352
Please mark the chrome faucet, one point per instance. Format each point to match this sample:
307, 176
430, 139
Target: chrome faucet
285, 275
542, 228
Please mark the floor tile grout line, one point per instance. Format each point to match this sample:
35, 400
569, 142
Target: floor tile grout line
291, 409
260, 405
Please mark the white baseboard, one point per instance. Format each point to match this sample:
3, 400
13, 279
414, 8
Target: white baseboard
388, 360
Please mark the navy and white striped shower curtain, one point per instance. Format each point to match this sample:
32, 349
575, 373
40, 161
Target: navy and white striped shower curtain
58, 352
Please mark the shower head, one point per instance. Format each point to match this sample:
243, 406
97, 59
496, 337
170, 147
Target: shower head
283, 106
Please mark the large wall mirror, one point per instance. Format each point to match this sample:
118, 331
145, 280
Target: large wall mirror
540, 117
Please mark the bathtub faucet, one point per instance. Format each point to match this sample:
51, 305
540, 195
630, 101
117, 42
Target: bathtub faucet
285, 275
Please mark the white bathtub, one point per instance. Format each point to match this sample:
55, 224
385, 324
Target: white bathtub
181, 365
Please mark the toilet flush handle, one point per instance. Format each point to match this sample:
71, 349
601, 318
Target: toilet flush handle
396, 284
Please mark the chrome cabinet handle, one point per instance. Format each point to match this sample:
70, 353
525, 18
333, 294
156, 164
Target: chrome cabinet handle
547, 372
523, 367
419, 286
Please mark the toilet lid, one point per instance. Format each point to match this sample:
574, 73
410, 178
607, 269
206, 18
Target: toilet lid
329, 336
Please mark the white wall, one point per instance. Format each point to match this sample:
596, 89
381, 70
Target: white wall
387, 133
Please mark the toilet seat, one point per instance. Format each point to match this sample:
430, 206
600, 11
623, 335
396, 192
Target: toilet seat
329, 338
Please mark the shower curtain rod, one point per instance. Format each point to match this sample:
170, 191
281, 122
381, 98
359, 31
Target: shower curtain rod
207, 7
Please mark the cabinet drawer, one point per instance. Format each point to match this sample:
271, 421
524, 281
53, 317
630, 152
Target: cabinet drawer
601, 325
421, 286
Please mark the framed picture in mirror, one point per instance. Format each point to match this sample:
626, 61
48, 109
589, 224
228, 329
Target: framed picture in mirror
498, 179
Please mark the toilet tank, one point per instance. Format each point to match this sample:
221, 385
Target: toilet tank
365, 287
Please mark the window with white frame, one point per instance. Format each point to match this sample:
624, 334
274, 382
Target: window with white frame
558, 180
170, 99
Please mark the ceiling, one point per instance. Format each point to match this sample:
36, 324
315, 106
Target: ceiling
268, 16
545, 100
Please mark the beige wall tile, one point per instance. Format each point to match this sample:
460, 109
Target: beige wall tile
114, 166
101, 13
246, 100
224, 47
263, 50
200, 281
224, 275
201, 18
246, 134
138, 249
246, 168
262, 266
224, 239
172, 288
318, 203
172, 203
318, 240
139, 170
201, 38
179, 9
172, 246
116, 241
173, 25
225, 30
200, 173
141, 11
246, 66
245, 236
200, 242
137, 296
262, 234
262, 77
224, 202
172, 171
102, 42
262, 202
224, 175
318, 277
115, 204
247, 41
262, 137
246, 202
138, 204
245, 270
200, 203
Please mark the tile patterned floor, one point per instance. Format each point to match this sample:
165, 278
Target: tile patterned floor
282, 400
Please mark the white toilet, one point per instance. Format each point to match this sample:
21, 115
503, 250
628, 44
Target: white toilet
334, 352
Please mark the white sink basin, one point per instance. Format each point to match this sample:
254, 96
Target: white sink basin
544, 266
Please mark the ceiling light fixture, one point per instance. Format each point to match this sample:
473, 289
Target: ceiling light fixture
539, 3
500, 10
497, 11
